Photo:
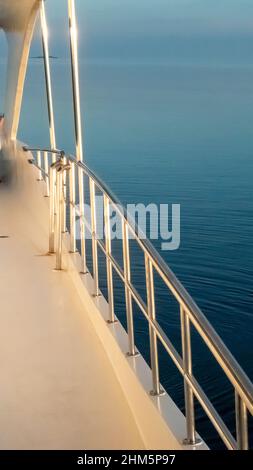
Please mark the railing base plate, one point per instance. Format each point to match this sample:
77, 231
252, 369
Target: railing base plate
161, 393
187, 442
136, 354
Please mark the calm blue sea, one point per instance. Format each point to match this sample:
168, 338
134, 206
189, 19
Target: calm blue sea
181, 134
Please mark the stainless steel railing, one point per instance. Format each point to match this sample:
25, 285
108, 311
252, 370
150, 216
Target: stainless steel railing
190, 314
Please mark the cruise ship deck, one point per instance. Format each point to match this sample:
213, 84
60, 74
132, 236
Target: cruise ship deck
58, 388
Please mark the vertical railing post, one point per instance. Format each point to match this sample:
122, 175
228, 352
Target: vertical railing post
77, 119
128, 296
75, 78
64, 197
82, 224
46, 168
94, 237
52, 210
187, 364
44, 34
157, 390
108, 247
241, 423
39, 164
72, 196
58, 228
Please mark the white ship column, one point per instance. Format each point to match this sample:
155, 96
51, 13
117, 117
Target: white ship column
17, 19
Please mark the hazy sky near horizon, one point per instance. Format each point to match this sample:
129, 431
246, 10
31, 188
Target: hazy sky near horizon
155, 28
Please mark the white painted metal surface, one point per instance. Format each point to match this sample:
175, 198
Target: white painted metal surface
17, 19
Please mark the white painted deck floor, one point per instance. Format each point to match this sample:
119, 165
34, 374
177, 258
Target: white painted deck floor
57, 387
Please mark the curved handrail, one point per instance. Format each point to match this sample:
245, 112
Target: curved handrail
238, 378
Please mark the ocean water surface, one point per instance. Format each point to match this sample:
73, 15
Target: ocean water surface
172, 133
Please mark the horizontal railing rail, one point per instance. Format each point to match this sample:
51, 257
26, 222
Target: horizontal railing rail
190, 313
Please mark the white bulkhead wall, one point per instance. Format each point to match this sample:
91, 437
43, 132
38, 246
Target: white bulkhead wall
17, 19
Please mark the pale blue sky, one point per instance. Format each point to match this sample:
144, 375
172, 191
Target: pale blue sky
159, 16
155, 28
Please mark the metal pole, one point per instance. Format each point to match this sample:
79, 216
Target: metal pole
46, 167
82, 224
44, 34
94, 235
129, 301
64, 197
39, 165
108, 247
52, 211
58, 229
152, 334
72, 195
187, 363
75, 78
241, 423
77, 118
